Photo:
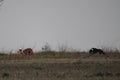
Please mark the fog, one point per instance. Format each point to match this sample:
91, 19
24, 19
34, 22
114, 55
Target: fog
80, 24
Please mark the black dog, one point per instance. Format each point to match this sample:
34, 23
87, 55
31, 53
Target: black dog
95, 50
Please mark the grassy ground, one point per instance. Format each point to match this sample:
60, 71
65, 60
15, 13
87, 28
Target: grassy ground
60, 66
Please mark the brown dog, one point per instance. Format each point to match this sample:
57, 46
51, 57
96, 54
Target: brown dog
27, 51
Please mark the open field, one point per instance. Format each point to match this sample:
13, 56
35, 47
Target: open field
60, 66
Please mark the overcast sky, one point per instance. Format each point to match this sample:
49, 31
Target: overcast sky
80, 24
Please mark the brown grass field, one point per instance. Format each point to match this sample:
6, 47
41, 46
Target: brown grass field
60, 66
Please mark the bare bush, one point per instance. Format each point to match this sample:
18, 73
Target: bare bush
46, 47
66, 48
62, 48
110, 49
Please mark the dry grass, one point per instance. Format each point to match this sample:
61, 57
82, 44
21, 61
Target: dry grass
58, 55
60, 66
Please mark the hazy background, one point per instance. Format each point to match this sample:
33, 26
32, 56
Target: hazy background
80, 24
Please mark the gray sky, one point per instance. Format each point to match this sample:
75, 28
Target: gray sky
80, 24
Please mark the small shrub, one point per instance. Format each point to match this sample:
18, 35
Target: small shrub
5, 75
38, 68
117, 74
78, 62
88, 76
108, 74
99, 74
2, 54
